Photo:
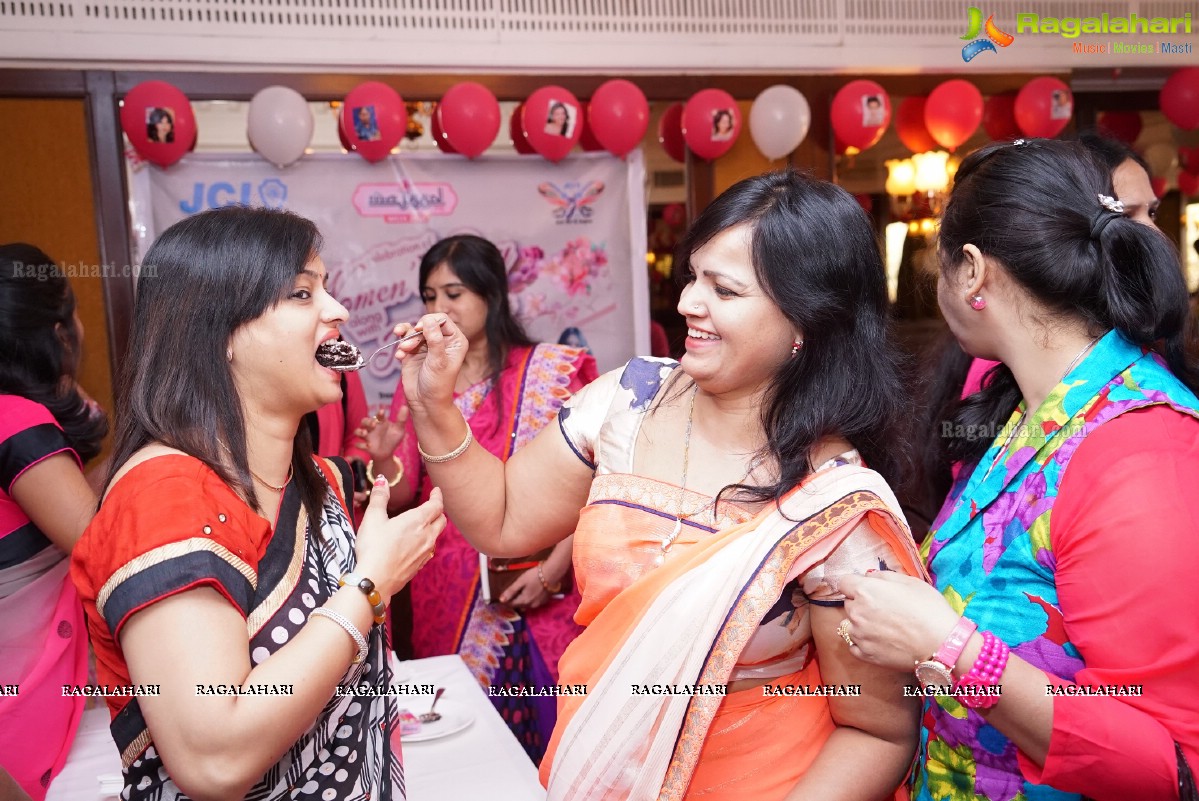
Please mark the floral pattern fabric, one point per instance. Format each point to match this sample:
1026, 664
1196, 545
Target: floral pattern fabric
991, 554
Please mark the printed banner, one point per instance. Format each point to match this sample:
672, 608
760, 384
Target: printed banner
572, 233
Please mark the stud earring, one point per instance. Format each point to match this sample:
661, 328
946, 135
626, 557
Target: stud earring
795, 346
978, 303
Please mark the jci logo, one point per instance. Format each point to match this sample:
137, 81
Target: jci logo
272, 193
994, 35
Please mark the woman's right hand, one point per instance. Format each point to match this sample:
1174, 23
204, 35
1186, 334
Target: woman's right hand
391, 550
430, 363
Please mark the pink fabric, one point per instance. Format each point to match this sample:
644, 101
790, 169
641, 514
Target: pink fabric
43, 633
974, 378
43, 639
337, 425
1124, 531
443, 591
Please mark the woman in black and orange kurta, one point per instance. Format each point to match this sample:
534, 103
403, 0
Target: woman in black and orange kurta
222, 578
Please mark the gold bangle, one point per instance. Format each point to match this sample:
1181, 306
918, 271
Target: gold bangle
454, 454
370, 471
541, 577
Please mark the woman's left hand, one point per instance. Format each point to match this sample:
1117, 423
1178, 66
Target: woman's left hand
895, 620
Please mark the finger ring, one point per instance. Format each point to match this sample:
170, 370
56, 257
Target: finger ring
843, 630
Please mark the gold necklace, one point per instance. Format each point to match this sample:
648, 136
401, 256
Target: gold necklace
1020, 422
681, 516
259, 478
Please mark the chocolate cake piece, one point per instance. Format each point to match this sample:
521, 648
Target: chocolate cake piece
338, 354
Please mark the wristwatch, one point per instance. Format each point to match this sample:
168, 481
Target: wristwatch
367, 586
937, 670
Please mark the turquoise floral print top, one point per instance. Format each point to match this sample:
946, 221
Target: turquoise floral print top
991, 554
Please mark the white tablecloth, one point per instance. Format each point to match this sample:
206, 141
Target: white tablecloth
483, 762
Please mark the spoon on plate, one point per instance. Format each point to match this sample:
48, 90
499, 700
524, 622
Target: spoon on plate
431, 716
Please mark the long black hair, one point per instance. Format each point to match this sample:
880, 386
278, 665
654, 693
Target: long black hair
39, 344
480, 268
1034, 208
815, 254
212, 273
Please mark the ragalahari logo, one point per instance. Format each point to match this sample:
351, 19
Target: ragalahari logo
994, 36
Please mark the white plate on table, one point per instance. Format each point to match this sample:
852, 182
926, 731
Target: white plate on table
453, 720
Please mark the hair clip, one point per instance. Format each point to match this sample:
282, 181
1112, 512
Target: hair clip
1111, 204
1020, 142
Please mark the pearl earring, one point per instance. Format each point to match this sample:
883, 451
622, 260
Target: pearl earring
978, 303
795, 346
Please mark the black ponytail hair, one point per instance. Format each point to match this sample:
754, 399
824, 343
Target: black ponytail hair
39, 346
1035, 207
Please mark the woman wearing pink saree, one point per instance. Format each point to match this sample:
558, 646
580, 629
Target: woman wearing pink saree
48, 428
509, 389
715, 505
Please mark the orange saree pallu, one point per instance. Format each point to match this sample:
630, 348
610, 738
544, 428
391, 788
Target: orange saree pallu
682, 619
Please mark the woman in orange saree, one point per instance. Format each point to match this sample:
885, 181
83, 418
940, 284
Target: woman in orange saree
715, 505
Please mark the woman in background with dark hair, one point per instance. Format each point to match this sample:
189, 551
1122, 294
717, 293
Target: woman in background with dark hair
222, 567
1064, 559
48, 430
508, 389
715, 504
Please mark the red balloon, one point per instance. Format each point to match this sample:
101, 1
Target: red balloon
860, 113
1044, 107
1188, 183
999, 117
374, 120
1122, 125
1188, 158
953, 112
518, 135
551, 120
1159, 186
670, 132
437, 133
1179, 98
587, 139
159, 121
618, 115
909, 124
470, 118
711, 123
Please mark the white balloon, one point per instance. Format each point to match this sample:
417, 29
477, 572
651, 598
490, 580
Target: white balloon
279, 124
779, 120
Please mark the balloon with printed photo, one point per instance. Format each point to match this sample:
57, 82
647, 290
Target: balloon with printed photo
550, 121
374, 120
711, 123
159, 121
1044, 107
860, 113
